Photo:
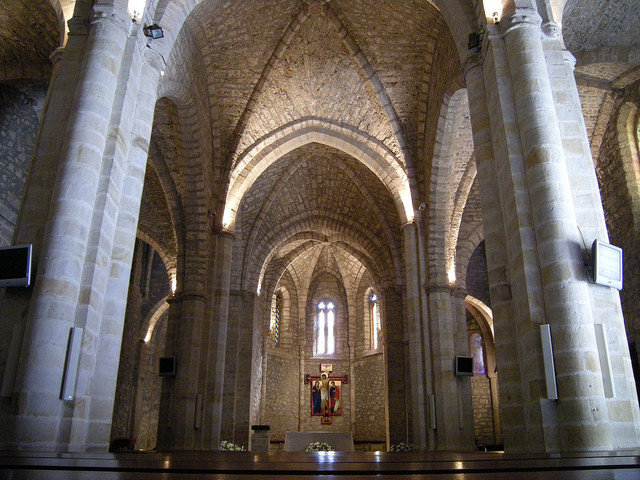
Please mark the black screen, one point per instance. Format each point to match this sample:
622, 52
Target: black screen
15, 263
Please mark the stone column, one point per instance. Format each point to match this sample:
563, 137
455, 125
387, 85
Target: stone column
43, 421
166, 412
127, 384
190, 345
239, 353
484, 131
414, 338
442, 320
463, 383
220, 274
579, 419
118, 239
394, 363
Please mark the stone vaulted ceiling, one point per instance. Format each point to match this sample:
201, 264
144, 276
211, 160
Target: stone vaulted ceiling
257, 68
242, 73
382, 69
29, 33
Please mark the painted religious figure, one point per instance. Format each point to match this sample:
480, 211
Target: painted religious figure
334, 397
315, 398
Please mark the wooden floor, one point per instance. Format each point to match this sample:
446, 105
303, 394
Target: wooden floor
361, 466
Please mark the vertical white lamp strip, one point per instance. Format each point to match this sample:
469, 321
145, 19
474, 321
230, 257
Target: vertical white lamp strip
549, 367
71, 364
432, 411
605, 361
197, 420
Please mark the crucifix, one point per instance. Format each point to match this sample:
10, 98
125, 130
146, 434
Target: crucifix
326, 393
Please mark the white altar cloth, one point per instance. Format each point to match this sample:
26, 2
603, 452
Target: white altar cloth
298, 441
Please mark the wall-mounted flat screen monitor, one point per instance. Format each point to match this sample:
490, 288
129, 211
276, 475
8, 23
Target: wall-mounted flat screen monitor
15, 266
606, 262
464, 365
167, 367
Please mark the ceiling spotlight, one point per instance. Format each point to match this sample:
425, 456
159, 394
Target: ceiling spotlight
154, 31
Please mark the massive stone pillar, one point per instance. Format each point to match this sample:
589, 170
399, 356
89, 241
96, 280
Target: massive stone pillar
220, 280
451, 397
544, 277
394, 361
485, 131
419, 383
191, 410
76, 256
466, 436
168, 388
237, 377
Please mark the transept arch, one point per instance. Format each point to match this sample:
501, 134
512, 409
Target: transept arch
346, 236
254, 247
372, 153
452, 174
64, 12
628, 128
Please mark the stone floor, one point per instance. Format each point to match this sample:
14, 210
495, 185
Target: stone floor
363, 466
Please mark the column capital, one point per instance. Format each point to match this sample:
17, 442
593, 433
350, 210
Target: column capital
459, 292
438, 288
408, 225
78, 26
520, 18
110, 13
180, 297
223, 233
551, 29
56, 55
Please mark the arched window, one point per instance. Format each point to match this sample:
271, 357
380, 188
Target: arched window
275, 323
477, 351
276, 314
374, 315
325, 325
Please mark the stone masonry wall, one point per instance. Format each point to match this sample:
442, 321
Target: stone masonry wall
622, 231
20, 108
282, 394
481, 399
370, 399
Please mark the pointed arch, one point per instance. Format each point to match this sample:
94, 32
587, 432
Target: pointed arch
371, 152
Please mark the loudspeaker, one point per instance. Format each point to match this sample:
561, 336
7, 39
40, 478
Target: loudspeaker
464, 366
71, 364
549, 365
605, 361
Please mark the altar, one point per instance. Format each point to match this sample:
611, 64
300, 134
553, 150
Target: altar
298, 441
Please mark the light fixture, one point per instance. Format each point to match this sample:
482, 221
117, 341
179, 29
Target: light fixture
154, 31
136, 8
493, 10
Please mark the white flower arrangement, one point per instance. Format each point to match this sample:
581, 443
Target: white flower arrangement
230, 447
319, 447
401, 447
